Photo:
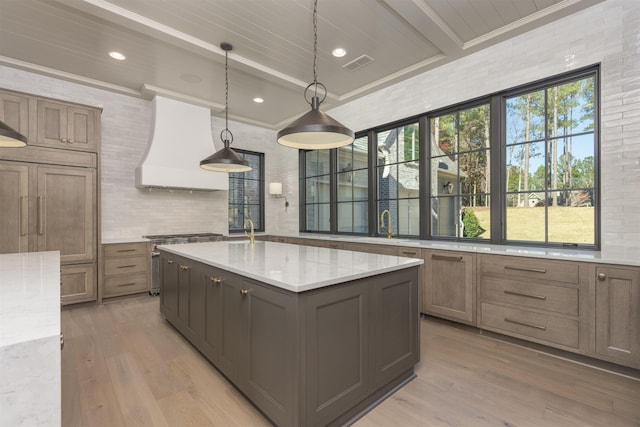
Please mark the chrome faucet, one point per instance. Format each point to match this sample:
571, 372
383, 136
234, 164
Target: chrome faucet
251, 236
389, 231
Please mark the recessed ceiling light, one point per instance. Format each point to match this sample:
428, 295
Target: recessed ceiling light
258, 100
117, 55
339, 52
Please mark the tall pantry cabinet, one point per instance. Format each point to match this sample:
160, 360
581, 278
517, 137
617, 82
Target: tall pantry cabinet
49, 190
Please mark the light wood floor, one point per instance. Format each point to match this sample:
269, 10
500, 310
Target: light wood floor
124, 365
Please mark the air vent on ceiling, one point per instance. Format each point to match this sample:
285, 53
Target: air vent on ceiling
359, 62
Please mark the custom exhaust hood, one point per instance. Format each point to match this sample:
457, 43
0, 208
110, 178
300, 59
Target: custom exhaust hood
180, 139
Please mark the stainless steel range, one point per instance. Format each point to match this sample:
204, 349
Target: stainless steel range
172, 239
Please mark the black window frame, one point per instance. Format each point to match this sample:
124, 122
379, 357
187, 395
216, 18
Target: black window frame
261, 184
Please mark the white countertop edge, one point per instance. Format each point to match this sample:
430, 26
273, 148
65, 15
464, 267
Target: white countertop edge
627, 256
406, 263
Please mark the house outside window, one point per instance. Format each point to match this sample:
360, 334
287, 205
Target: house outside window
460, 181
246, 194
398, 179
353, 187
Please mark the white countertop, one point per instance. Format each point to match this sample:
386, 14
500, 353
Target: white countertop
608, 255
30, 377
295, 268
118, 240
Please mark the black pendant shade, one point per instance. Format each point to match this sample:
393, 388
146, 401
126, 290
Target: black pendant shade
315, 131
9, 137
226, 160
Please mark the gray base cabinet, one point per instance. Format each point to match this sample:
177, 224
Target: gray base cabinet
313, 358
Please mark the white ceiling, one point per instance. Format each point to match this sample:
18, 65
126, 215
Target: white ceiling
170, 43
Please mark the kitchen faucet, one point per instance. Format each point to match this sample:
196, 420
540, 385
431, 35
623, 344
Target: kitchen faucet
251, 236
389, 231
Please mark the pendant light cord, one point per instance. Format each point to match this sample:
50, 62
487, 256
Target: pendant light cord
315, 45
226, 90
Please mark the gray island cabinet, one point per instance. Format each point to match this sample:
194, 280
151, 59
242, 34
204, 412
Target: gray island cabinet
312, 336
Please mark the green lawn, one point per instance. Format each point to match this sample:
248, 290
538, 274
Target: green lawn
566, 224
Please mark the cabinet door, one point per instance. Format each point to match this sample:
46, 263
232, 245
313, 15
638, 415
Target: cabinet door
338, 372
14, 111
169, 287
231, 305
77, 283
52, 124
66, 218
14, 208
267, 349
449, 285
396, 320
81, 130
617, 314
212, 321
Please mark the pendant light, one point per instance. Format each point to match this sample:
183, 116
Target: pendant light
226, 160
9, 137
315, 130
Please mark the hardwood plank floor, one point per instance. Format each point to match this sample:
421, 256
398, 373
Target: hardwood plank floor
124, 365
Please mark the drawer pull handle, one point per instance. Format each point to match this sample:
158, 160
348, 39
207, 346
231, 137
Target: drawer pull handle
61, 341
126, 284
540, 297
40, 216
169, 262
23, 216
531, 325
409, 253
184, 267
602, 276
216, 280
532, 270
245, 292
447, 258
126, 266
126, 250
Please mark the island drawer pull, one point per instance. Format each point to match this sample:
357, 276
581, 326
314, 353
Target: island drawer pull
532, 270
530, 325
216, 280
184, 267
540, 297
244, 292
126, 250
126, 284
126, 266
447, 258
169, 261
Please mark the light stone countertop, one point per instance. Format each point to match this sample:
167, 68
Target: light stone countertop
296, 268
30, 377
617, 255
118, 240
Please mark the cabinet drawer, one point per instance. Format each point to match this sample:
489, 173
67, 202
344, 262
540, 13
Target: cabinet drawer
530, 268
128, 265
558, 299
129, 249
530, 324
125, 285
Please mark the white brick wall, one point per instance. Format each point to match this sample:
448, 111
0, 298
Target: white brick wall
607, 33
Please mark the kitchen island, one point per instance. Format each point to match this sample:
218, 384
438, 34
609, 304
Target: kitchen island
30, 340
312, 336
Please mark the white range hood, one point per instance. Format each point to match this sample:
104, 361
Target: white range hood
180, 139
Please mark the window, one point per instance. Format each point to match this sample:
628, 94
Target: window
459, 164
353, 187
550, 164
515, 167
246, 194
398, 179
316, 183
